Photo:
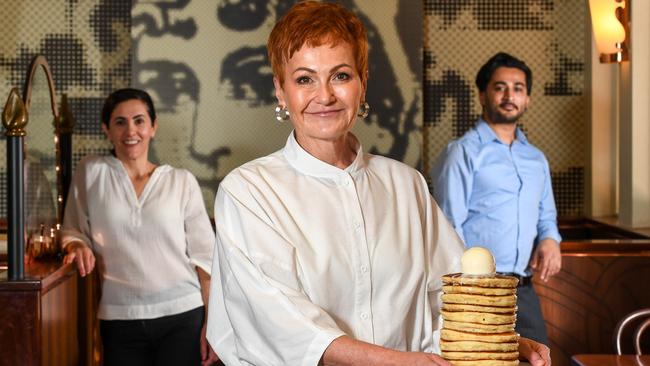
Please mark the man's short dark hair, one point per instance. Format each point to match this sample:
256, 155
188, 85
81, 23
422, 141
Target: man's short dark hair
502, 59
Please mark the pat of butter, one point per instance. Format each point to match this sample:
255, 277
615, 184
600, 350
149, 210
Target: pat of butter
478, 261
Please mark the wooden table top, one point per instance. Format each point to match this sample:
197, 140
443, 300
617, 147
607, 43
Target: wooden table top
40, 275
611, 360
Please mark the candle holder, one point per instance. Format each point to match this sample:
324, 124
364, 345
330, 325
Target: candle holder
44, 244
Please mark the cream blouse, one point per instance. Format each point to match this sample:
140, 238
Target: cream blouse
147, 248
307, 252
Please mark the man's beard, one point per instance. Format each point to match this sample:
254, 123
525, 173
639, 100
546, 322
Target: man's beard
499, 118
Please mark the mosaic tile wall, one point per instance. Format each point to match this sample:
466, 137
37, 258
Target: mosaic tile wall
87, 44
204, 62
549, 35
217, 117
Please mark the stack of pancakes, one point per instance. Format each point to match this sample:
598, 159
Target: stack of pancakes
479, 314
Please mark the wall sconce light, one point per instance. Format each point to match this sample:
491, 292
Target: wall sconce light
609, 19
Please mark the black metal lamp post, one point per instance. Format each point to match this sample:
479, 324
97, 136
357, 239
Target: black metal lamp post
14, 119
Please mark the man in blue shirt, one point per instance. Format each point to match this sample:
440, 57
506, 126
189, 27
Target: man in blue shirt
495, 188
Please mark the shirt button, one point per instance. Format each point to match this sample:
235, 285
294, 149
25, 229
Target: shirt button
357, 224
364, 269
364, 316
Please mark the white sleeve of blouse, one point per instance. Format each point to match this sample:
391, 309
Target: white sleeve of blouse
199, 235
259, 314
444, 250
76, 225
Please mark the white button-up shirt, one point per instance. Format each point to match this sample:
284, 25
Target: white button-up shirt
147, 247
308, 252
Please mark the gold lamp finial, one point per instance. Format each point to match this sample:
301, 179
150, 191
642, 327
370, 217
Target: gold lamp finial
14, 115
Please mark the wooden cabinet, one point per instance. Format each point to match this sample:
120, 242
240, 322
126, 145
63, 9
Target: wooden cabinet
602, 280
47, 313
39, 316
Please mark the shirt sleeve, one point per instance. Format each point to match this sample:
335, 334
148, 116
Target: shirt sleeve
259, 313
198, 231
76, 223
452, 179
547, 224
444, 250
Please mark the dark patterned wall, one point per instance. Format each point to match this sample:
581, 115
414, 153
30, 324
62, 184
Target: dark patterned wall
87, 44
204, 62
459, 36
206, 65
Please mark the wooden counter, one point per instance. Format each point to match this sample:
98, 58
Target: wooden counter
611, 360
50, 318
38, 316
602, 280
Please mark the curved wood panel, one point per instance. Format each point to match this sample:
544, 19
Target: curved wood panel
59, 341
583, 303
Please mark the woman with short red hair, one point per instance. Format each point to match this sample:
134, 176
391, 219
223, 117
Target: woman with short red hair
327, 254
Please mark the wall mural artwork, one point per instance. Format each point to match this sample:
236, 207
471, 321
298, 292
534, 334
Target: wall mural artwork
549, 35
206, 65
87, 44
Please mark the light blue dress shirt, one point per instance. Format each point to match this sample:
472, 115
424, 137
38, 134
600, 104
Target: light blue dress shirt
497, 196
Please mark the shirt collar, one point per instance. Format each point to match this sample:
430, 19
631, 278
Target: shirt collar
308, 164
486, 134
115, 163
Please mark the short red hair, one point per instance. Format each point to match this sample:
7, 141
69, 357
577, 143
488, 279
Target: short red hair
313, 23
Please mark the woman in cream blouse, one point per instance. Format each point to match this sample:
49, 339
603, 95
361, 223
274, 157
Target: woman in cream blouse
327, 254
146, 227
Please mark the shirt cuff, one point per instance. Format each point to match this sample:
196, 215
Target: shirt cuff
550, 234
68, 239
205, 266
319, 345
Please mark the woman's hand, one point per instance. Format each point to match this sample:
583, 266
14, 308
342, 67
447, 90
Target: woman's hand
82, 255
422, 359
349, 351
535, 353
208, 357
